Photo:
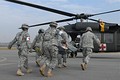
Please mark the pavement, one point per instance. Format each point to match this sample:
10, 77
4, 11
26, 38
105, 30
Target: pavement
102, 66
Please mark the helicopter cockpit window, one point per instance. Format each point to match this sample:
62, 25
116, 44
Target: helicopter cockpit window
108, 38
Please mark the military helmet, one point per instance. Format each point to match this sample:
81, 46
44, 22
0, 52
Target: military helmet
41, 31
88, 29
24, 26
61, 28
53, 24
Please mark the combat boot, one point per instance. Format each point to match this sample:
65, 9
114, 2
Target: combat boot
64, 64
49, 73
42, 70
59, 66
19, 72
38, 63
29, 70
83, 66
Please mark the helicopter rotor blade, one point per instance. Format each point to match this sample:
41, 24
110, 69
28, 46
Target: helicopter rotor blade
42, 7
93, 20
98, 21
105, 12
74, 16
86, 16
58, 21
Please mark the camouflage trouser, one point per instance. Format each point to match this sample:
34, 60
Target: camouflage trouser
86, 54
60, 56
23, 58
38, 56
50, 56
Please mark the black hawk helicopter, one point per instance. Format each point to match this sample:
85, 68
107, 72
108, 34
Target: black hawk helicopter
108, 33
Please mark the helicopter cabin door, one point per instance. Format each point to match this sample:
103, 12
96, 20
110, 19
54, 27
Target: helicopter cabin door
118, 40
107, 42
110, 40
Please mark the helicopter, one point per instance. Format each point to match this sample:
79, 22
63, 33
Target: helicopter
108, 33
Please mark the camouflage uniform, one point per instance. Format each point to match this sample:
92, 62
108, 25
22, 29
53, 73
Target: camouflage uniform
23, 45
37, 46
62, 37
65, 37
86, 43
50, 48
62, 53
63, 34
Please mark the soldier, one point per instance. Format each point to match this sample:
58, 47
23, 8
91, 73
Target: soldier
66, 37
86, 43
23, 45
62, 53
37, 46
50, 49
62, 37
63, 34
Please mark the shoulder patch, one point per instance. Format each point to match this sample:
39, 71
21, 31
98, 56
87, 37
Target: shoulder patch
28, 38
60, 32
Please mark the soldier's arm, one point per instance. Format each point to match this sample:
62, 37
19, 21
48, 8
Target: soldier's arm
34, 42
57, 33
97, 40
81, 41
64, 37
12, 43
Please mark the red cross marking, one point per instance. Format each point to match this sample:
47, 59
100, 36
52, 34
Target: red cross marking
103, 47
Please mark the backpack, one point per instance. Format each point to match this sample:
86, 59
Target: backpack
47, 36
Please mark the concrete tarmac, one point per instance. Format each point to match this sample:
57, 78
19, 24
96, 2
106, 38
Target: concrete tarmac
102, 66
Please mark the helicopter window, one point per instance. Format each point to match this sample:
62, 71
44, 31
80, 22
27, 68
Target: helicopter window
98, 35
108, 38
77, 40
118, 39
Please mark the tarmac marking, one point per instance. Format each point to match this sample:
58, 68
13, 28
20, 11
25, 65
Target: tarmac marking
3, 59
6, 64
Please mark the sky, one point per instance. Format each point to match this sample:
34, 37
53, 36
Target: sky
12, 15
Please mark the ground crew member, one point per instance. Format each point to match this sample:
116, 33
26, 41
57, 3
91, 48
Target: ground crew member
86, 43
37, 46
22, 39
50, 49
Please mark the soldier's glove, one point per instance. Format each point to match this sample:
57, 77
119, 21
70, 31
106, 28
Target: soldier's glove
38, 50
100, 45
33, 48
30, 51
9, 46
80, 49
